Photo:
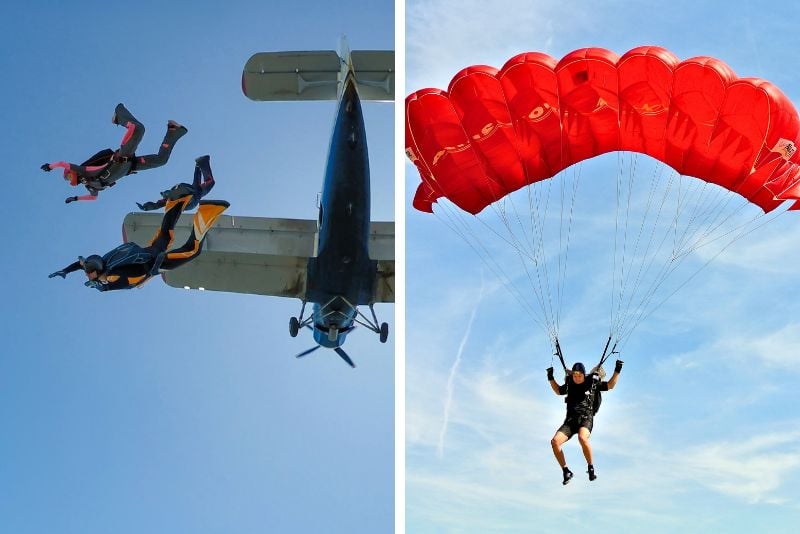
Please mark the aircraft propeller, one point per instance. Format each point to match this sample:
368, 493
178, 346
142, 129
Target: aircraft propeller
340, 351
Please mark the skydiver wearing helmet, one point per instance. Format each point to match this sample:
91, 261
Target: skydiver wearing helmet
102, 170
198, 189
130, 265
581, 407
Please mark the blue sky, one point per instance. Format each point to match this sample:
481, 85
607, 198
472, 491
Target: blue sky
161, 410
701, 432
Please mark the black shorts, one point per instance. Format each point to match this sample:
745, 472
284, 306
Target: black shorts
574, 422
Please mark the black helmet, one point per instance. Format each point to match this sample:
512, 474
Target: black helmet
93, 263
579, 368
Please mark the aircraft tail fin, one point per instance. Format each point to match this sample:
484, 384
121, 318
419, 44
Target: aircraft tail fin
317, 75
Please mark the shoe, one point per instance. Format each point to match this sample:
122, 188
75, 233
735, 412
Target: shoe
206, 216
567, 476
172, 125
114, 116
592, 476
202, 159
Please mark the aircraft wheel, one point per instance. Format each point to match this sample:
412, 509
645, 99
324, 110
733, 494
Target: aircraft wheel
384, 333
333, 333
294, 326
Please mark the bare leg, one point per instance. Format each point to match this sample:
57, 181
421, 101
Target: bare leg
583, 438
558, 440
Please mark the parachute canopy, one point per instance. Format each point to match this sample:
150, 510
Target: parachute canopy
495, 131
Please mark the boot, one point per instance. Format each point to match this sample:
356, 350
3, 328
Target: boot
567, 476
176, 128
207, 215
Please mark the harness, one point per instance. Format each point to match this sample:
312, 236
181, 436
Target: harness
109, 158
593, 391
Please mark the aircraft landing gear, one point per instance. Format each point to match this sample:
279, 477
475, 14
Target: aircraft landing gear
381, 329
296, 323
333, 333
384, 333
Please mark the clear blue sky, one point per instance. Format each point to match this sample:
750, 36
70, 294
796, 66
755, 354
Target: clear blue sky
700, 434
162, 410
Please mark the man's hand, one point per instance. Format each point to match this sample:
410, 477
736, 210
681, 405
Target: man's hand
550, 373
148, 206
70, 199
46, 167
62, 274
94, 284
618, 366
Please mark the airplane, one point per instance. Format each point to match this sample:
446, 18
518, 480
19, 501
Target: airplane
341, 260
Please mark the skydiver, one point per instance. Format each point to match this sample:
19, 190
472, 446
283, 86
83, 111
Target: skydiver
581, 409
197, 188
130, 265
107, 166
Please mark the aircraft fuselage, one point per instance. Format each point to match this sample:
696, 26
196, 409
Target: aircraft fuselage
342, 275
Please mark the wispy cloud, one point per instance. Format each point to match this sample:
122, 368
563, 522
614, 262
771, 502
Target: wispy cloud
499, 463
475, 37
453, 370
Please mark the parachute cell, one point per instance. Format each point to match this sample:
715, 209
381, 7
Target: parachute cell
495, 131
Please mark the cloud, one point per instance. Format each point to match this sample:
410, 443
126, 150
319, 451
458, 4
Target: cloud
752, 470
453, 370
474, 35
499, 466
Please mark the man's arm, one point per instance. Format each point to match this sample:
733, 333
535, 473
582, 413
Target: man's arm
71, 268
92, 196
615, 376
553, 384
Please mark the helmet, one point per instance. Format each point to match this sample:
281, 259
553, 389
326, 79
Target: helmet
578, 368
93, 263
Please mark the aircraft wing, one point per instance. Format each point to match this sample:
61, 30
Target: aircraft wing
257, 255
315, 75
381, 248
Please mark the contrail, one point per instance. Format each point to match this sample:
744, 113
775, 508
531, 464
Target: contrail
448, 401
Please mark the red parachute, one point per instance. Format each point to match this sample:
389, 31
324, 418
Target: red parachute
495, 131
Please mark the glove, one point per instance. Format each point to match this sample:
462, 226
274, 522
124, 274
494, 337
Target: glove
618, 366
550, 373
148, 206
62, 274
94, 284
46, 167
70, 199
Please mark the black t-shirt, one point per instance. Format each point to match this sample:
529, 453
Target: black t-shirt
578, 395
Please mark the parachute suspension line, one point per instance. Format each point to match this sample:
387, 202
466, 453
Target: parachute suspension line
562, 265
514, 241
457, 222
631, 311
631, 174
539, 234
541, 287
641, 309
655, 182
704, 210
743, 233
707, 237
616, 238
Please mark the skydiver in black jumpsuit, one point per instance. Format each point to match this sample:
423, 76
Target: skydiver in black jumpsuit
131, 265
197, 188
